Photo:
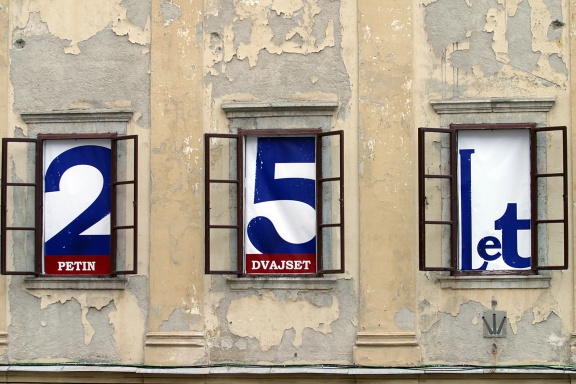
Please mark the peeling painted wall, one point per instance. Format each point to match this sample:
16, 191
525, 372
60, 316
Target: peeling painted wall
275, 50
87, 55
278, 51
482, 50
175, 63
291, 325
74, 56
521, 43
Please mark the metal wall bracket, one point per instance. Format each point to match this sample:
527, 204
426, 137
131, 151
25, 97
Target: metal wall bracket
494, 323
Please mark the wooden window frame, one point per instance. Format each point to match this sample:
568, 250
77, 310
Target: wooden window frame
453, 221
38, 185
238, 181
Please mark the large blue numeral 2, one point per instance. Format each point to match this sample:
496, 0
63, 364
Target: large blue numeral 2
69, 241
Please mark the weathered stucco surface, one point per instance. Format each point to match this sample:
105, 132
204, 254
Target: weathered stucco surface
175, 63
48, 325
522, 43
445, 337
493, 49
111, 71
176, 251
283, 325
277, 51
66, 55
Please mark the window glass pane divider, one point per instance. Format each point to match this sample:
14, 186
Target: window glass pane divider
4, 228
535, 176
208, 227
422, 177
319, 206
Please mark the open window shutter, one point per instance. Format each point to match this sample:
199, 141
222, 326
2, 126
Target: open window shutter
437, 207
124, 205
21, 216
549, 221
330, 202
223, 204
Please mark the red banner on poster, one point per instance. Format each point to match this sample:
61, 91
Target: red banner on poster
281, 263
77, 265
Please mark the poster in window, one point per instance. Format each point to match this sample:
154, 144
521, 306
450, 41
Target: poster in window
77, 182
494, 199
280, 205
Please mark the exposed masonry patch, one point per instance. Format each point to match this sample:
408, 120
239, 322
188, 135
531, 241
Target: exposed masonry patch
86, 305
109, 71
275, 27
555, 28
290, 325
179, 321
520, 44
404, 319
558, 64
275, 316
483, 36
63, 16
137, 12
58, 330
170, 11
92, 326
457, 337
301, 58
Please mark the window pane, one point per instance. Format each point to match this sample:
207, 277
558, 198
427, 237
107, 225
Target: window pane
549, 153
223, 249
223, 207
551, 244
437, 250
125, 250
331, 202
437, 200
550, 198
125, 208
125, 150
21, 162
222, 158
331, 250
20, 251
21, 206
437, 153
330, 156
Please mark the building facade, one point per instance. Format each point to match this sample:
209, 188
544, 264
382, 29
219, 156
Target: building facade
256, 190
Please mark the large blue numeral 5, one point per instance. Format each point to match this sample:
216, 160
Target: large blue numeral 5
284, 196
69, 241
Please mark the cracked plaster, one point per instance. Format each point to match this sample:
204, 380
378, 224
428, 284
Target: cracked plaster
459, 337
490, 38
55, 325
289, 325
63, 17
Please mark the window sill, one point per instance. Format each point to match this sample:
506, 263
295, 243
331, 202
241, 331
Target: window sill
76, 283
300, 284
495, 282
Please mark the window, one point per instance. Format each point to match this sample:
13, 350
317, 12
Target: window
69, 205
274, 202
493, 199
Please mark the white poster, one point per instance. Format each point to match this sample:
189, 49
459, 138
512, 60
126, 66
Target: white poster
77, 177
280, 205
494, 199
